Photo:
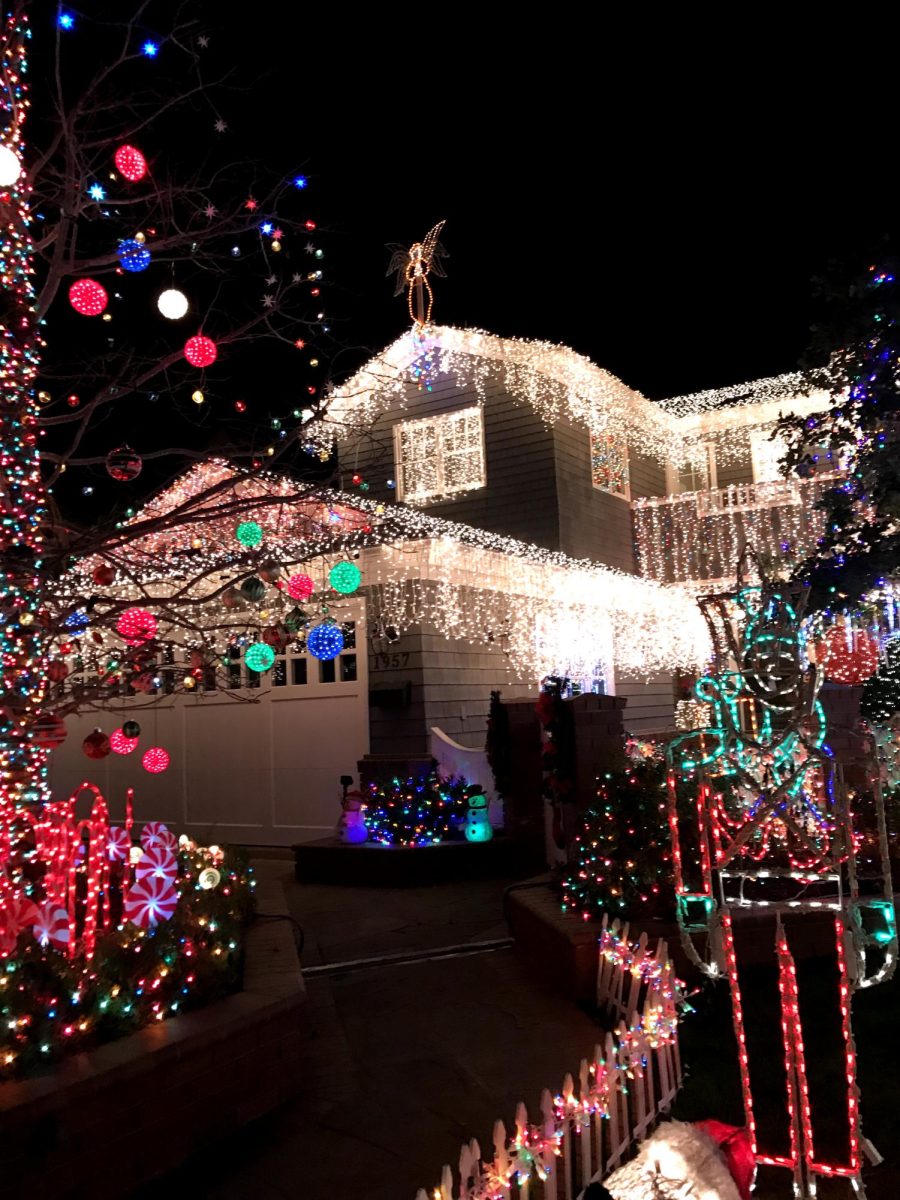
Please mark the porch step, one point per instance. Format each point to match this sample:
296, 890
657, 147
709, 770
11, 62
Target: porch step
328, 860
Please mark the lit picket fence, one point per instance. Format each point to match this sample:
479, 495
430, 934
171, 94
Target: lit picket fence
588, 1127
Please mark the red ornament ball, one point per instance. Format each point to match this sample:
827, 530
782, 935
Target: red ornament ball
123, 464
848, 656
200, 351
57, 671
120, 744
88, 297
130, 163
136, 626
300, 587
96, 744
103, 574
50, 731
73, 401
155, 760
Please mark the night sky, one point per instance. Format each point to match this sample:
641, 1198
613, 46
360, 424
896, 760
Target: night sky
658, 204
648, 196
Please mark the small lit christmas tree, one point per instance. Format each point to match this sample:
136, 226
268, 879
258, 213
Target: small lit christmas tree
417, 812
621, 854
881, 693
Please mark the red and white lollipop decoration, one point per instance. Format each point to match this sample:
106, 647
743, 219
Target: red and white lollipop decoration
51, 928
118, 844
155, 833
157, 862
149, 901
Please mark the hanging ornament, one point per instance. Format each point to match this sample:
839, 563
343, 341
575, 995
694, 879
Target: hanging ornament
133, 255
96, 744
848, 655
57, 671
88, 297
253, 589
49, 731
120, 744
77, 621
10, 166
131, 729
276, 636
300, 587
259, 657
136, 626
270, 571
155, 760
208, 878
173, 304
344, 577
123, 464
103, 574
325, 641
200, 351
130, 163
249, 533
232, 598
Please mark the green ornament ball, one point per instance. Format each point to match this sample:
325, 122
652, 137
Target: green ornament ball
131, 729
259, 657
248, 533
344, 577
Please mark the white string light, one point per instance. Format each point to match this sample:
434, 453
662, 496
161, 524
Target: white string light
559, 384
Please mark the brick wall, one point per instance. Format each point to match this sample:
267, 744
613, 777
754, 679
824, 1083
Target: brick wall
107, 1121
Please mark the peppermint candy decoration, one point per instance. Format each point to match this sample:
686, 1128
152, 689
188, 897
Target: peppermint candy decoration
20, 913
149, 901
155, 833
158, 862
118, 844
52, 926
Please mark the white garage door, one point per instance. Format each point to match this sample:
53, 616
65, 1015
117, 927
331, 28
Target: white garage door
259, 765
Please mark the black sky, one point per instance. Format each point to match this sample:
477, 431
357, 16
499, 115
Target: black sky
657, 197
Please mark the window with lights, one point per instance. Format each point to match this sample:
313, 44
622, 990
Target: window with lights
440, 457
609, 464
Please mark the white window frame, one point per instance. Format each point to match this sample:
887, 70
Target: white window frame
440, 492
626, 494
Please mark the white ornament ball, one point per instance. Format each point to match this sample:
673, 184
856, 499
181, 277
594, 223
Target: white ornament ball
172, 304
10, 166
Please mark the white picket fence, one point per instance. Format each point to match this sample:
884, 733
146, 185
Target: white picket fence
587, 1129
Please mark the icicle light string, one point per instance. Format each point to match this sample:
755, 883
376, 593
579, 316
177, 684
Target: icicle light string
562, 385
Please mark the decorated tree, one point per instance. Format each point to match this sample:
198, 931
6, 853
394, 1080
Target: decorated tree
621, 858
855, 358
148, 268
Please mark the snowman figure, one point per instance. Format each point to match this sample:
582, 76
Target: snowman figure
351, 827
478, 827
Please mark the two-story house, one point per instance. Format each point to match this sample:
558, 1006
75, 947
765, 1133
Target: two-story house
530, 514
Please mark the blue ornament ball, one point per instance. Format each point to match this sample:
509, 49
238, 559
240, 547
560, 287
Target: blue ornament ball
133, 255
325, 641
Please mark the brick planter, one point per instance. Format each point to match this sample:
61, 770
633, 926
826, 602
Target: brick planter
556, 946
107, 1121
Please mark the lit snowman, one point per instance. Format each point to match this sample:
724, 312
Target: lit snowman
478, 827
352, 825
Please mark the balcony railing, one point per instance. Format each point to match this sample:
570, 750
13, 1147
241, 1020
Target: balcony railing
700, 535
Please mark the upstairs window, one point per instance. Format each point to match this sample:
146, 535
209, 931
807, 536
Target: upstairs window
440, 457
609, 464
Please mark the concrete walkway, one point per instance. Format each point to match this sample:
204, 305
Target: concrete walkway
404, 1061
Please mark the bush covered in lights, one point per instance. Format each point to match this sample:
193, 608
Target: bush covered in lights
419, 812
621, 855
52, 1005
